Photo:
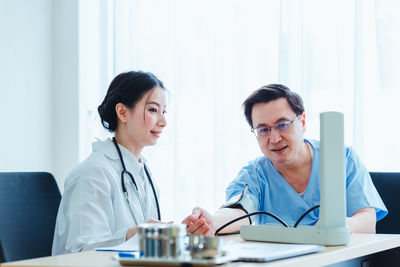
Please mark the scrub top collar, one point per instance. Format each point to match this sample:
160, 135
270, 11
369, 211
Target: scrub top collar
307, 195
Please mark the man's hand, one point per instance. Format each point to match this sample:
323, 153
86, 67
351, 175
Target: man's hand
362, 221
200, 222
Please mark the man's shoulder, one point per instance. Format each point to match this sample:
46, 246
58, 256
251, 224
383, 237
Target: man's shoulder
260, 166
316, 144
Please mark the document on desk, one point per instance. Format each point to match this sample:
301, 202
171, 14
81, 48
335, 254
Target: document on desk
130, 245
262, 252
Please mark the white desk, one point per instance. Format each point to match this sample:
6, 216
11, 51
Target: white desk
360, 245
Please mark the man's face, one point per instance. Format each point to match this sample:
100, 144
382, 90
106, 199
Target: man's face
280, 147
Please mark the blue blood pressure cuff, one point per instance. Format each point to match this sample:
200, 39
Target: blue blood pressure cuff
241, 201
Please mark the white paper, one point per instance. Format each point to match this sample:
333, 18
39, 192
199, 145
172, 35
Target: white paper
130, 245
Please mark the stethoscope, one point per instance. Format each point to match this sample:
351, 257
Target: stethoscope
124, 171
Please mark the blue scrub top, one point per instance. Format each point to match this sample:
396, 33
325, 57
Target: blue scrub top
269, 191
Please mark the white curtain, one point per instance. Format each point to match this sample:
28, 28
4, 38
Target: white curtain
338, 55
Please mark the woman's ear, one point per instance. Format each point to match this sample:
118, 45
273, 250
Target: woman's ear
122, 112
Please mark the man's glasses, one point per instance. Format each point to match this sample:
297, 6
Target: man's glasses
279, 127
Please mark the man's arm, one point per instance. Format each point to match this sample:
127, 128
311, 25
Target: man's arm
203, 223
362, 221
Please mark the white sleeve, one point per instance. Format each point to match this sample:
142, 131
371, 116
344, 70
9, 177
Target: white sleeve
86, 218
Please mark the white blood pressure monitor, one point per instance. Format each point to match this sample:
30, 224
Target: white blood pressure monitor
331, 229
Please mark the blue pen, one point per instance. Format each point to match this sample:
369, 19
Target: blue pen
126, 255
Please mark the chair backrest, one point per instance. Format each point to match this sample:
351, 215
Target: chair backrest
388, 186
28, 209
1, 254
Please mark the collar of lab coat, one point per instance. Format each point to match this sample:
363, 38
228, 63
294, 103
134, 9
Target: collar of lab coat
107, 147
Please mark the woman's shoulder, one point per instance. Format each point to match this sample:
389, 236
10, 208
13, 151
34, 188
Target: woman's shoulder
96, 166
94, 162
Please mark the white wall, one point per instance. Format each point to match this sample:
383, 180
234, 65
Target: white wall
25, 85
39, 77
65, 101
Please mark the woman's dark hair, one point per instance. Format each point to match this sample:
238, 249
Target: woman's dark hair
127, 88
271, 92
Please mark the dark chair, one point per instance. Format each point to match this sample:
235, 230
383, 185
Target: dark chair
1, 254
388, 186
28, 209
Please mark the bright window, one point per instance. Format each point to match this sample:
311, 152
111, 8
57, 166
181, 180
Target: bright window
338, 55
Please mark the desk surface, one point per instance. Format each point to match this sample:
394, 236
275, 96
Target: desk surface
360, 245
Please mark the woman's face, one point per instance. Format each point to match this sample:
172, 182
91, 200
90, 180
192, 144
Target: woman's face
146, 120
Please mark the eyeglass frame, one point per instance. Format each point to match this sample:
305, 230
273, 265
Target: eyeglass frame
288, 122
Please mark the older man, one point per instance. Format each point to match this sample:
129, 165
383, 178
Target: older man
285, 181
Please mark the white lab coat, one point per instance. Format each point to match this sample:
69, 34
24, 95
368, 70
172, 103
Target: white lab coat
94, 211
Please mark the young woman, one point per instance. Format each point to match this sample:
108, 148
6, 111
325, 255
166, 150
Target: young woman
112, 191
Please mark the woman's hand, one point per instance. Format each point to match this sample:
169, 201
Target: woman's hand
131, 232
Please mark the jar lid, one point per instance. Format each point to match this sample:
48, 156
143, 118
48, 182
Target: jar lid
166, 229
